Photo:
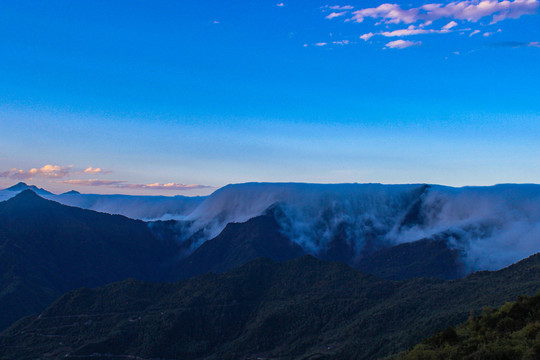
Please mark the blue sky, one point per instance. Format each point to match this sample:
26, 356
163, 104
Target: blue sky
144, 93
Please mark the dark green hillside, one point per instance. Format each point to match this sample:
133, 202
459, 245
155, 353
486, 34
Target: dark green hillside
300, 309
47, 249
422, 258
510, 332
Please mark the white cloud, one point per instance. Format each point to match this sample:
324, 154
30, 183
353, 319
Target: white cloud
321, 44
474, 33
335, 14
450, 25
280, 4
469, 10
367, 36
124, 185
391, 13
402, 44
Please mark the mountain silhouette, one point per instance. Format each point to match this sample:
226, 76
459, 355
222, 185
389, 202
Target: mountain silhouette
47, 249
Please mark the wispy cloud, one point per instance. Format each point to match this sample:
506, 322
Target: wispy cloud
469, 10
335, 14
515, 44
412, 30
47, 171
119, 184
402, 44
93, 182
339, 7
280, 4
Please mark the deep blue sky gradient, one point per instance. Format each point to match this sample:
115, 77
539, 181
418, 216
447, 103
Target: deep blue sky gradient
157, 91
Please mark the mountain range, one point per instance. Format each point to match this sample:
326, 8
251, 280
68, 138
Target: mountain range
416, 242
489, 226
135, 207
48, 248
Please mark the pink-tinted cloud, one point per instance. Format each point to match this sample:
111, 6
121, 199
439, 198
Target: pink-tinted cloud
335, 14
468, 10
412, 30
119, 184
367, 36
402, 44
390, 13
47, 171
93, 170
450, 25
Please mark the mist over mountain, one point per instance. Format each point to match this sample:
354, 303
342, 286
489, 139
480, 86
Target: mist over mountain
135, 207
491, 227
11, 191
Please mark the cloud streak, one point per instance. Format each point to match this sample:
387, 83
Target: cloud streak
412, 30
335, 14
338, 7
120, 184
516, 44
49, 171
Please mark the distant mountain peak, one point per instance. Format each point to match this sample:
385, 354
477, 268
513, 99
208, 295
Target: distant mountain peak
18, 187
71, 192
27, 195
21, 186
